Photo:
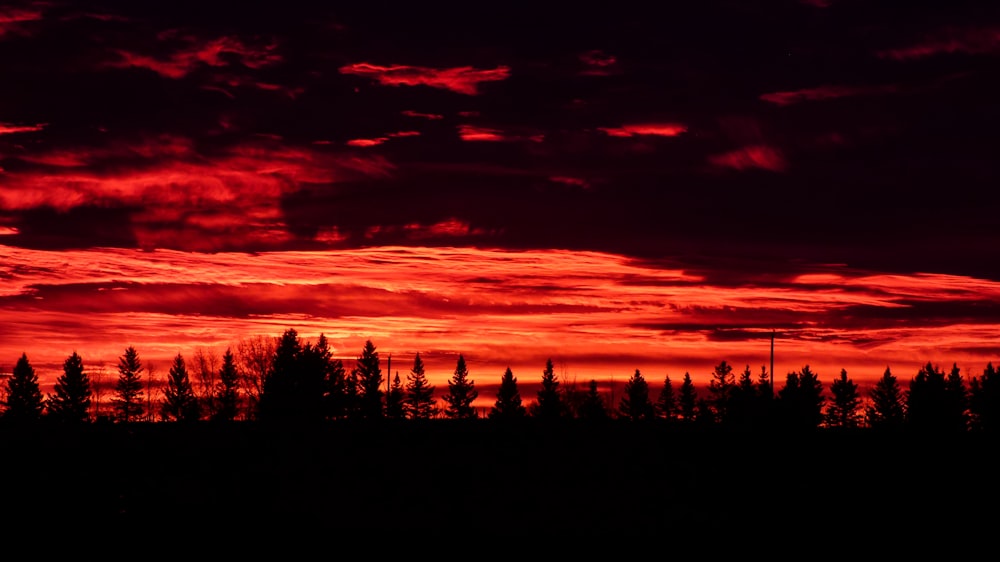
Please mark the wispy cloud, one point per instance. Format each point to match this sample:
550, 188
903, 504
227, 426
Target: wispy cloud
820, 93
651, 129
751, 157
949, 41
462, 80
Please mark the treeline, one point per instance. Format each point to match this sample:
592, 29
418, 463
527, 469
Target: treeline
289, 379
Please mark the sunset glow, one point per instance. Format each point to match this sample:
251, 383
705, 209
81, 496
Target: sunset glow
609, 190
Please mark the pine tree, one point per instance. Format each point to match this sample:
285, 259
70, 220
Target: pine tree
462, 393
24, 397
635, 404
984, 400
370, 383
688, 400
550, 404
419, 399
744, 401
592, 408
508, 403
335, 393
845, 408
180, 403
721, 389
227, 397
956, 401
72, 398
927, 400
886, 410
395, 400
666, 402
127, 400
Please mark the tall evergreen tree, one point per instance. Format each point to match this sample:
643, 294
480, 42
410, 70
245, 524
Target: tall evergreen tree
24, 396
927, 400
128, 396
294, 388
984, 400
887, 407
721, 388
72, 398
462, 393
550, 403
956, 401
666, 402
395, 405
592, 407
801, 400
336, 382
508, 403
744, 401
180, 403
844, 410
688, 400
370, 383
635, 404
227, 397
419, 399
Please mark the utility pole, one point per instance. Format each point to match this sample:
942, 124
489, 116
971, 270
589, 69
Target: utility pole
772, 364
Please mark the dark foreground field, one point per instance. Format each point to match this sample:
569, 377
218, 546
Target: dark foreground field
446, 477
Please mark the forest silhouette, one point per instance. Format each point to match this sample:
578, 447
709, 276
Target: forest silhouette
280, 430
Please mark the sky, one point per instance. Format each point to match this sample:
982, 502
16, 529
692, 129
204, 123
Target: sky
652, 187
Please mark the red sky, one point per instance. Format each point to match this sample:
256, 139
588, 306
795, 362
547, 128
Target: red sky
613, 191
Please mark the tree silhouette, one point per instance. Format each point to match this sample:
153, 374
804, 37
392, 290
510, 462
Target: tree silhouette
24, 397
635, 404
927, 400
744, 401
956, 401
72, 398
984, 400
254, 357
801, 400
127, 400
462, 393
550, 404
294, 388
508, 403
845, 407
395, 400
721, 388
419, 398
180, 403
687, 402
369, 383
227, 392
666, 402
886, 410
335, 379
592, 407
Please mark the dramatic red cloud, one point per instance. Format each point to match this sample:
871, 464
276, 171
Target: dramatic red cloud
655, 129
462, 80
12, 20
597, 315
953, 40
822, 93
367, 142
8, 129
431, 116
598, 63
749, 157
195, 53
474, 133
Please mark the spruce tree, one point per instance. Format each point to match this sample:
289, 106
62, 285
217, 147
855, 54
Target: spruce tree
845, 407
592, 407
508, 402
335, 393
71, 401
395, 400
666, 402
180, 403
721, 388
927, 400
227, 397
24, 397
419, 398
956, 401
984, 400
886, 410
370, 383
635, 404
550, 404
127, 400
462, 393
743, 401
687, 402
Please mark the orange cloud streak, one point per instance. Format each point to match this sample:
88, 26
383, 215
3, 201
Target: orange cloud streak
654, 129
